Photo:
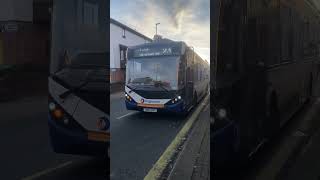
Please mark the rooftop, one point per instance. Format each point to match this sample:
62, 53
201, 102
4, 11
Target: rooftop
115, 22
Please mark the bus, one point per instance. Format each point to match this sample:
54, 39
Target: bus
165, 76
79, 77
265, 66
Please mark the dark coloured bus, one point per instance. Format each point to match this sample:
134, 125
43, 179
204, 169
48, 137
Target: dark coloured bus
265, 63
165, 76
79, 75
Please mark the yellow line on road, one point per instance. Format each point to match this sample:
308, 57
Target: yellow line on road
47, 171
159, 167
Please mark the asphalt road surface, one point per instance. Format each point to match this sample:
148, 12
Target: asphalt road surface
138, 139
25, 148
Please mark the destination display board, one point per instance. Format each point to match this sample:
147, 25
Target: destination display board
155, 51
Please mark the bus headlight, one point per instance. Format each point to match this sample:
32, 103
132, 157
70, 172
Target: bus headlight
52, 106
66, 121
129, 98
56, 112
222, 113
176, 99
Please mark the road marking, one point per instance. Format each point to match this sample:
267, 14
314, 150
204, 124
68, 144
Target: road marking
159, 167
126, 115
47, 171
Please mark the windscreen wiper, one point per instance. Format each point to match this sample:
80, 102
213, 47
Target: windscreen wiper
65, 94
160, 84
87, 80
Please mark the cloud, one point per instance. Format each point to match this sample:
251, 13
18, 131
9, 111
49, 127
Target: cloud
181, 20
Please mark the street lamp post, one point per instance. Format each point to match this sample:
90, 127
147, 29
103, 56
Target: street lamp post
157, 28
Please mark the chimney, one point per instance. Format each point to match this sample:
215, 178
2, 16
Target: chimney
157, 38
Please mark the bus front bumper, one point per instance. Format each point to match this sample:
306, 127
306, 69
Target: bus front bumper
69, 142
173, 108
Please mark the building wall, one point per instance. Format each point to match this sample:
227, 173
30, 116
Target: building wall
116, 39
26, 46
26, 41
18, 10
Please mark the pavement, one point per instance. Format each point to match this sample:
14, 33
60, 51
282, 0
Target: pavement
26, 152
193, 162
140, 140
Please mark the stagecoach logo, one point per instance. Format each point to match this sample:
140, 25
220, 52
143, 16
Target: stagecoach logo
103, 123
149, 101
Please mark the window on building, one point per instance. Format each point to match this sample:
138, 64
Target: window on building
123, 56
41, 13
90, 13
124, 33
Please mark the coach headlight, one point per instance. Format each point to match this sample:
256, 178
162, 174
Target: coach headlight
55, 110
176, 99
52, 106
222, 113
129, 98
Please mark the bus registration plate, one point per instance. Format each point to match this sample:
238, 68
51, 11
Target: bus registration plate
149, 110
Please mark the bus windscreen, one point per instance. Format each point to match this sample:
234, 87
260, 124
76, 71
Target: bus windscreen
151, 70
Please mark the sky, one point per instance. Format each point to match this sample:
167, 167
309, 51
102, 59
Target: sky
180, 20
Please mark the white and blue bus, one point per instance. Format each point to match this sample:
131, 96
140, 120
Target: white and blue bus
165, 76
79, 75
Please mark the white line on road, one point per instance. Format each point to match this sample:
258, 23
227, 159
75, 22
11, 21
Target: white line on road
47, 171
126, 115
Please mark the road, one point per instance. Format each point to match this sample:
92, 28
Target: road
26, 151
138, 139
